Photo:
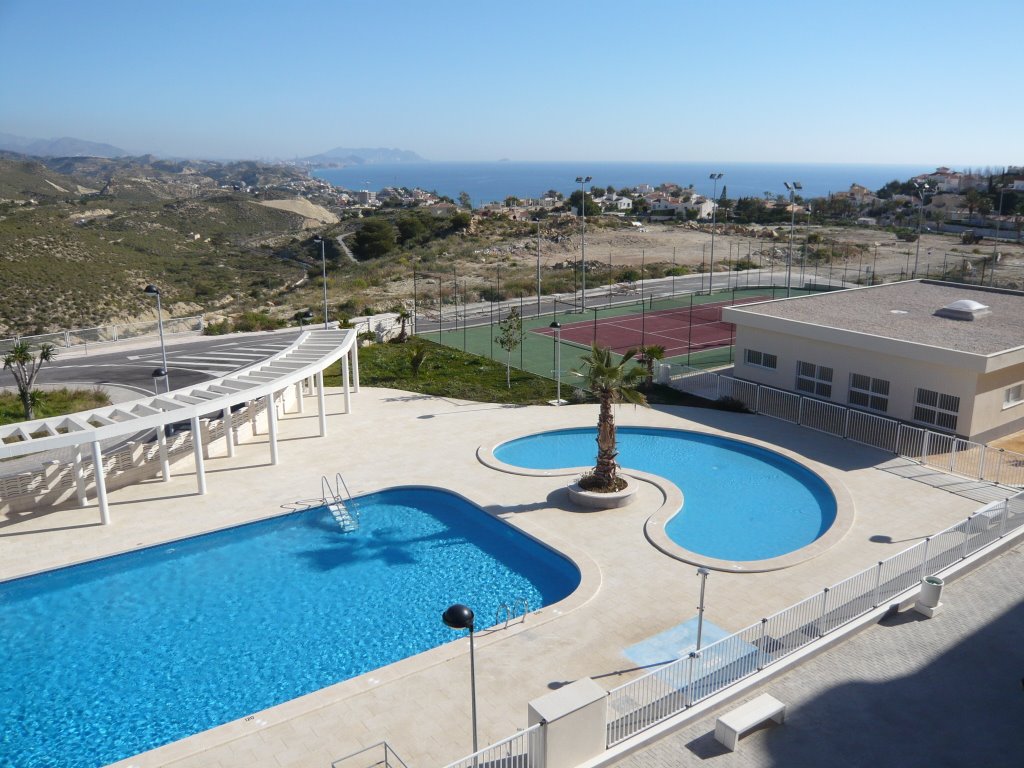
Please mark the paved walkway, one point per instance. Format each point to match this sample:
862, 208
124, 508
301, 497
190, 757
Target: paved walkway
906, 692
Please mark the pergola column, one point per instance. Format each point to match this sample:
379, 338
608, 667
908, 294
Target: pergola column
101, 482
344, 378
321, 403
355, 365
298, 396
197, 451
79, 473
165, 463
229, 436
272, 427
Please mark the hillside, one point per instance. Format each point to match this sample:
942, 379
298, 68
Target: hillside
81, 237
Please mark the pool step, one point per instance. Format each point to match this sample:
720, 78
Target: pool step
345, 515
342, 516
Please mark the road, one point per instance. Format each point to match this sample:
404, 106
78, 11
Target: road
130, 364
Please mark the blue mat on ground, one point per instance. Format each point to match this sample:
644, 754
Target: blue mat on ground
674, 643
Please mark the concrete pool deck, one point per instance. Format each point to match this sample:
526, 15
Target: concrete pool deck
630, 591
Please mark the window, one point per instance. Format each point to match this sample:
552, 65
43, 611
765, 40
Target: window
936, 409
1013, 395
814, 379
761, 359
868, 392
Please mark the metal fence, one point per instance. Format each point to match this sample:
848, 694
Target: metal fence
107, 333
522, 750
664, 692
944, 452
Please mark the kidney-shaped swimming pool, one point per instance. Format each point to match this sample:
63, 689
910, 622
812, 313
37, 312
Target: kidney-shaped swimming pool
741, 502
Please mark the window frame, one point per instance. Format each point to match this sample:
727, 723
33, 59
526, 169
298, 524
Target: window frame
939, 409
762, 356
874, 391
819, 386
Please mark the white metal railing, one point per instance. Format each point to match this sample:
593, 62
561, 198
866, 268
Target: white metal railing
670, 689
945, 452
524, 749
108, 333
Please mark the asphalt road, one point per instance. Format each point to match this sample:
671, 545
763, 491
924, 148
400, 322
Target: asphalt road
130, 364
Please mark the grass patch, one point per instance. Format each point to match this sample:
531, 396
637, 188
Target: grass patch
52, 402
446, 372
450, 372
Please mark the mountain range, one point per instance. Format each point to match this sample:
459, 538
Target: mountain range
342, 156
62, 147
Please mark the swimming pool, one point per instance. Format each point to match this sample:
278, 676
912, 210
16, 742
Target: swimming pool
742, 502
107, 659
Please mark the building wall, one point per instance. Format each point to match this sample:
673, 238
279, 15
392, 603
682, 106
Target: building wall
992, 418
904, 375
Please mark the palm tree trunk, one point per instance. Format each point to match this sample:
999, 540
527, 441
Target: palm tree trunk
605, 470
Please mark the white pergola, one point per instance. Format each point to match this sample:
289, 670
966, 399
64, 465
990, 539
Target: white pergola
305, 360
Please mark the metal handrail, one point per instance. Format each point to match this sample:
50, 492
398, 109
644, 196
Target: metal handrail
389, 752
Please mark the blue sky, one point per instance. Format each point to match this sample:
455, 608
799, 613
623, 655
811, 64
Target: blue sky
917, 81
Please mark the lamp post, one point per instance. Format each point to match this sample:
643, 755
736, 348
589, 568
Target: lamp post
921, 189
323, 273
558, 360
792, 223
714, 217
581, 180
152, 290
703, 573
459, 616
874, 265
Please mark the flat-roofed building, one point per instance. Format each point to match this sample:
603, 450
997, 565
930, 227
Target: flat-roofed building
945, 356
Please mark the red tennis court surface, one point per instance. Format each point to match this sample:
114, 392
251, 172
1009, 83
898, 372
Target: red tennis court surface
677, 330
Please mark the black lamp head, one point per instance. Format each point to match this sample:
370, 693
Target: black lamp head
458, 616
152, 290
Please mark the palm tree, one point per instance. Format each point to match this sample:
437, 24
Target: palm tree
612, 383
648, 356
403, 317
24, 366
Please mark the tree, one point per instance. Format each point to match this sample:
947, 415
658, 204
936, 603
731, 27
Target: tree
24, 366
612, 383
411, 229
648, 356
404, 316
464, 200
972, 199
374, 239
592, 208
461, 221
417, 354
1018, 218
509, 339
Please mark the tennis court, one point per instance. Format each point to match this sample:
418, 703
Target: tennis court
680, 330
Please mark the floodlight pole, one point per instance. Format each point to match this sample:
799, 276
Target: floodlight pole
152, 290
921, 189
581, 180
792, 223
538, 267
558, 361
714, 217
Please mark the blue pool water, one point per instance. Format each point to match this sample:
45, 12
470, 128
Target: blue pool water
741, 502
107, 659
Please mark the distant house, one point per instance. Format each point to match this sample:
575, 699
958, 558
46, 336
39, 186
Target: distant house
861, 196
942, 180
614, 202
943, 356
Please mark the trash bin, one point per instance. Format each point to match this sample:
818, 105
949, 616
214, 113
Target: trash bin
931, 591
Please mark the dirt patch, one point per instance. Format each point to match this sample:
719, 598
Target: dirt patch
304, 208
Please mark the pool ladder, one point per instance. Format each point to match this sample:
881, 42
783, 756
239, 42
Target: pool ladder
509, 612
342, 508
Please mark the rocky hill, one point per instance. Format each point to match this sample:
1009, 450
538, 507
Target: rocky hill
80, 237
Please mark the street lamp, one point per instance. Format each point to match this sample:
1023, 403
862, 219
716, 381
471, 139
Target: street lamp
459, 616
581, 180
323, 272
558, 360
792, 223
703, 573
995, 240
714, 216
152, 290
921, 189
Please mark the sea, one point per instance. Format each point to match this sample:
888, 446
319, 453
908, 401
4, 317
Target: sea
487, 182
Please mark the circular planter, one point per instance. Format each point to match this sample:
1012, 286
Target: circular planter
594, 500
